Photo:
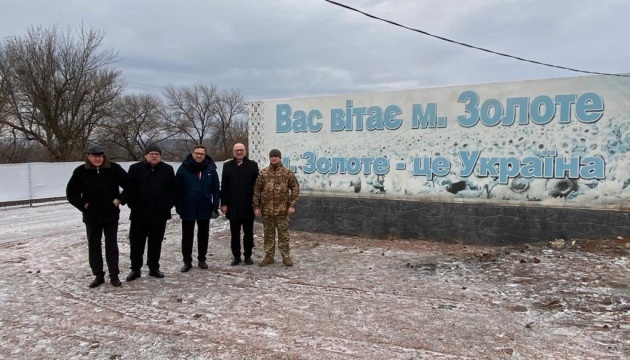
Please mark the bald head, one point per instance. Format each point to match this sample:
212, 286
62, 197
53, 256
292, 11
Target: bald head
239, 152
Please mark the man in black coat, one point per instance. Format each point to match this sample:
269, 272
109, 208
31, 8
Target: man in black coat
94, 189
151, 196
237, 190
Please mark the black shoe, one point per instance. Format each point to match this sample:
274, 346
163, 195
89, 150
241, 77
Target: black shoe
186, 268
133, 275
115, 280
248, 261
203, 265
235, 262
156, 273
97, 281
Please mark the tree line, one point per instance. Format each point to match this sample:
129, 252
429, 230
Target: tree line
60, 91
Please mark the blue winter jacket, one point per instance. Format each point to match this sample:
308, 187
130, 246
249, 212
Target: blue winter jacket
199, 192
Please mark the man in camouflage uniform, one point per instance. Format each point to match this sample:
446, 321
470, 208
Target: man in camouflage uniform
275, 196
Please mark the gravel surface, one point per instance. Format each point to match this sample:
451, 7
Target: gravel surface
345, 298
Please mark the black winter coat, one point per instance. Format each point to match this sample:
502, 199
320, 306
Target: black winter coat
152, 193
198, 189
97, 187
237, 188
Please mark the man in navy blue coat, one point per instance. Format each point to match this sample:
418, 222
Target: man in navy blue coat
151, 197
198, 201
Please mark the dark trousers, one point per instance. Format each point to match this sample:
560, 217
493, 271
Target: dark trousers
150, 233
248, 237
95, 232
188, 232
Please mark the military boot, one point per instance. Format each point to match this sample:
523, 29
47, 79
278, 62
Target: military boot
266, 261
286, 260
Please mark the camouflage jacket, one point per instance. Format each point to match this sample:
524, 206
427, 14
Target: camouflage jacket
276, 190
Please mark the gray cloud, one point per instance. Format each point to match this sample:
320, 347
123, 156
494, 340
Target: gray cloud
293, 48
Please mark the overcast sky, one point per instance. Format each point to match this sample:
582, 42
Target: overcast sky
292, 48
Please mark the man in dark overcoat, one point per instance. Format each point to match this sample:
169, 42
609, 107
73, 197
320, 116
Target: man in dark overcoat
151, 197
237, 190
94, 189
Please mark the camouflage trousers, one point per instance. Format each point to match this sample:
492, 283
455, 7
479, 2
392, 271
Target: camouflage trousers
271, 223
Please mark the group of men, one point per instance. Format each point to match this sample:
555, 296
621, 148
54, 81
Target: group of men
151, 188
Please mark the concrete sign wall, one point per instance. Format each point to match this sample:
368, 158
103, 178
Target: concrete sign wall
558, 142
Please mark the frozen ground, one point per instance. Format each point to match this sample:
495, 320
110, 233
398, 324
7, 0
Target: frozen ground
345, 298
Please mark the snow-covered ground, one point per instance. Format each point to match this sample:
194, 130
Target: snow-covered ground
345, 298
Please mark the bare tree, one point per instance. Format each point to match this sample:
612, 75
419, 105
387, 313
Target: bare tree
58, 87
8, 146
3, 97
192, 110
137, 122
230, 107
239, 131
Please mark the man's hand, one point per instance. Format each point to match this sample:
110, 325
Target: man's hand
116, 202
86, 206
224, 209
291, 210
257, 212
